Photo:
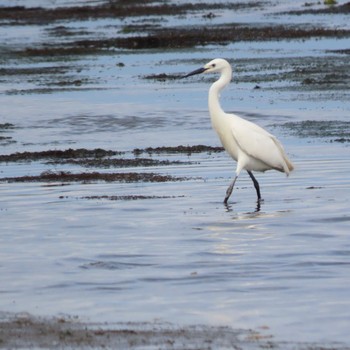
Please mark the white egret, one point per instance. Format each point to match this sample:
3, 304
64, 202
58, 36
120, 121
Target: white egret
252, 147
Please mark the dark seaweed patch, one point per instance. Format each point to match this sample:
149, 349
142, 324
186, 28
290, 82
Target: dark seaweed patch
112, 9
343, 51
15, 71
99, 158
63, 176
162, 77
4, 128
102, 158
128, 197
118, 162
339, 9
176, 38
188, 150
170, 38
184, 37
335, 130
58, 154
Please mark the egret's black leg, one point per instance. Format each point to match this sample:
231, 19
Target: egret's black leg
230, 189
256, 184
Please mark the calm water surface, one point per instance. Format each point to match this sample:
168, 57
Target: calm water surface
186, 259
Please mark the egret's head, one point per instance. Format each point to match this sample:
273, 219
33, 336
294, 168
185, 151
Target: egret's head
216, 65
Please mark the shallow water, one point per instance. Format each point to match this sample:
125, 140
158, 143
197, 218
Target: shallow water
186, 259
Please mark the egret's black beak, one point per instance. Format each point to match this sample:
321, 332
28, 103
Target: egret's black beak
197, 71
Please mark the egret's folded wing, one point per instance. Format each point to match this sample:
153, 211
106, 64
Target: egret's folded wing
261, 145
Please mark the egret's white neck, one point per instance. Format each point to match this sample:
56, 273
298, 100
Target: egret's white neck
215, 89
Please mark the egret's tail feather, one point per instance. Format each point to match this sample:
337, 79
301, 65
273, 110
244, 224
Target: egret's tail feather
290, 166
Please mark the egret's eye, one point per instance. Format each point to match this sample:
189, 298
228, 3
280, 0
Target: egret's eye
213, 65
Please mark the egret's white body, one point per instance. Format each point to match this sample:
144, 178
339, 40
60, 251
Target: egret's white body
252, 147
